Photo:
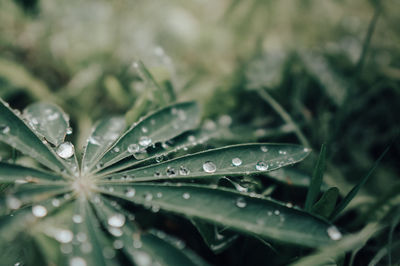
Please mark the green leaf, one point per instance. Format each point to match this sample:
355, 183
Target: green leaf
343, 204
48, 121
12, 173
160, 153
217, 240
241, 159
17, 134
252, 215
316, 180
290, 177
104, 134
160, 126
142, 248
325, 206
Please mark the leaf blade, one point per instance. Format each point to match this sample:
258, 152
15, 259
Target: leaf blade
316, 180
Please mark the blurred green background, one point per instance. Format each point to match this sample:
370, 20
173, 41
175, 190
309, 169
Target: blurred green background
305, 71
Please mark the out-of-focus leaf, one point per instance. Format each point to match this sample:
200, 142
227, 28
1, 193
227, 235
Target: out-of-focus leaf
325, 206
316, 180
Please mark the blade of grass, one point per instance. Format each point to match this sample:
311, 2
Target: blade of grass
316, 180
343, 204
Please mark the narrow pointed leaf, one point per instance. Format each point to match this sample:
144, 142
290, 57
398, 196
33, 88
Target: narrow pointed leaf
162, 152
237, 211
17, 134
325, 206
316, 180
48, 121
12, 173
241, 159
215, 239
104, 134
343, 204
160, 126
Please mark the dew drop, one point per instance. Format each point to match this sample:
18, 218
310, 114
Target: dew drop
116, 220
55, 202
144, 141
76, 218
264, 149
277, 212
13, 203
130, 192
64, 236
334, 233
183, 170
241, 202
142, 258
236, 161
144, 129
133, 148
39, 211
118, 244
171, 172
261, 166
282, 152
69, 130
77, 261
115, 231
159, 158
65, 150
209, 167
116, 149
4, 129
148, 197
81, 237
186, 195
94, 140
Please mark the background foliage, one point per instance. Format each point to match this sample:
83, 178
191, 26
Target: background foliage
308, 71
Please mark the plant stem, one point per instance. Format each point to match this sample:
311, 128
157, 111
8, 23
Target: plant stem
284, 115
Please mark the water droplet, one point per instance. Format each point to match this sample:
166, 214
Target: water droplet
159, 195
64, 236
148, 197
69, 130
81, 237
130, 192
77, 261
94, 140
76, 218
157, 173
144, 141
186, 195
39, 211
183, 170
277, 212
65, 150
282, 152
142, 258
55, 202
116, 220
334, 233
209, 167
171, 172
159, 158
261, 166
116, 149
118, 244
115, 231
236, 161
264, 149
306, 149
13, 203
133, 148
4, 129
144, 129
241, 202
225, 120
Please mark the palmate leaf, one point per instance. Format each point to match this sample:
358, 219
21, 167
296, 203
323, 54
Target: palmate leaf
79, 207
241, 212
160, 126
241, 159
17, 134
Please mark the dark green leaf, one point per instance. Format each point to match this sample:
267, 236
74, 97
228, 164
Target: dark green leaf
316, 180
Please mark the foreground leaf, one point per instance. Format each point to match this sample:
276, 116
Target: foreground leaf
48, 121
160, 126
240, 212
241, 159
17, 134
